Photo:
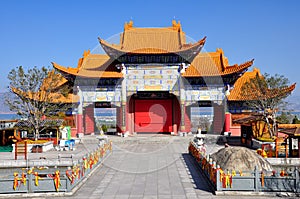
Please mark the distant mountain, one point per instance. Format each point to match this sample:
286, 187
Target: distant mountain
294, 102
4, 109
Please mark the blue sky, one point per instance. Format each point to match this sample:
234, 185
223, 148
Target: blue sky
36, 33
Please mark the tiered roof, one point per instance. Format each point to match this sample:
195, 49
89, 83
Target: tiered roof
157, 41
205, 64
153, 41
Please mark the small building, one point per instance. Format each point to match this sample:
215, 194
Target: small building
49, 129
7, 132
255, 134
292, 132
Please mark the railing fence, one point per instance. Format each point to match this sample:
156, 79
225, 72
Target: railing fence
257, 181
34, 180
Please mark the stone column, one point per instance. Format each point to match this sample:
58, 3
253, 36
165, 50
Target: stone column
182, 105
123, 101
79, 118
182, 118
123, 117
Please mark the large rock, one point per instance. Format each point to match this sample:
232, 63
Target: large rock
240, 158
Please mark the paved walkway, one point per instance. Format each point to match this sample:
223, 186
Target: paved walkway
143, 166
148, 167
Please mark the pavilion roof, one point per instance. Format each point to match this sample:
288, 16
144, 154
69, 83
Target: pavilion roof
204, 64
236, 94
161, 40
214, 64
292, 132
288, 126
151, 41
93, 66
55, 81
52, 97
246, 119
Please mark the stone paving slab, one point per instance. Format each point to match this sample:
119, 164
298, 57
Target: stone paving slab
137, 169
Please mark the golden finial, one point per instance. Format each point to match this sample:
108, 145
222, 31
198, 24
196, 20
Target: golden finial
176, 25
86, 53
128, 25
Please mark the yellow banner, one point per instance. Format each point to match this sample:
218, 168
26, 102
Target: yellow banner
153, 77
158, 87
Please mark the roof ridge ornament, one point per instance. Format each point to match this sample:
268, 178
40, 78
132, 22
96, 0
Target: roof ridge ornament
176, 25
86, 53
224, 62
128, 25
256, 70
220, 50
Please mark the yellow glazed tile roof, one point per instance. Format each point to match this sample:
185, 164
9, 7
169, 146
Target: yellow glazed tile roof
51, 97
151, 40
49, 81
204, 64
88, 73
92, 65
288, 126
95, 61
54, 81
213, 64
236, 92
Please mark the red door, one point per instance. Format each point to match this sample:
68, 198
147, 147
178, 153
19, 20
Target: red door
153, 116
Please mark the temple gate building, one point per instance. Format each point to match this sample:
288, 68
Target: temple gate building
153, 79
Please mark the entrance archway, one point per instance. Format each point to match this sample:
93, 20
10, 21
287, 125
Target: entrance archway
154, 112
153, 115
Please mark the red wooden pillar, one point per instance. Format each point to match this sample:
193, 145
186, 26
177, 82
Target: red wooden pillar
79, 124
227, 122
187, 120
89, 120
130, 115
218, 122
176, 115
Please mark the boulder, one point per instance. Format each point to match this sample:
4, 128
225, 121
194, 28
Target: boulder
240, 158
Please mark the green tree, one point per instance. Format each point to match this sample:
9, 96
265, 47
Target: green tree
36, 93
295, 120
284, 117
267, 94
